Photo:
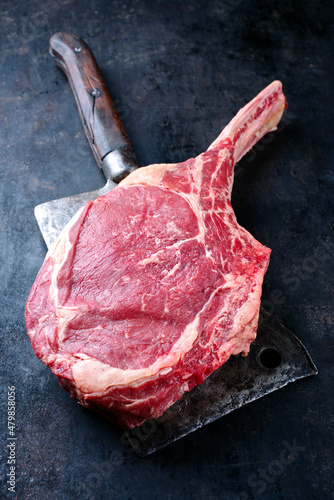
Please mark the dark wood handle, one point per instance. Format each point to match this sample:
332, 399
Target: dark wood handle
101, 122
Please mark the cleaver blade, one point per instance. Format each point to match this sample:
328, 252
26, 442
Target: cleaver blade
276, 358
52, 216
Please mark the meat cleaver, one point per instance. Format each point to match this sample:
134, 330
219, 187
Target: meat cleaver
276, 357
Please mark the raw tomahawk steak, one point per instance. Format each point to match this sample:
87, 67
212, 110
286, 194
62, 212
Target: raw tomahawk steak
153, 286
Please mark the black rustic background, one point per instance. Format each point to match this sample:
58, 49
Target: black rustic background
178, 72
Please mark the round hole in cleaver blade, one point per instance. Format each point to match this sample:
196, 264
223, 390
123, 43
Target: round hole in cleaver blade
270, 358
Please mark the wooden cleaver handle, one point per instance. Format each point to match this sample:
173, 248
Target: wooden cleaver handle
103, 127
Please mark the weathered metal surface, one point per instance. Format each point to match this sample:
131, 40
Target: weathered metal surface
276, 359
52, 216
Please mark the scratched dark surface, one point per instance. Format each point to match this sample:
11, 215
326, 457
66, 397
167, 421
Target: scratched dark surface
178, 72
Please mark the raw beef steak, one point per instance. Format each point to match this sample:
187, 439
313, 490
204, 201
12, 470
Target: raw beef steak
153, 286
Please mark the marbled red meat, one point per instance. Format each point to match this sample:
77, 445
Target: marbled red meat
153, 286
